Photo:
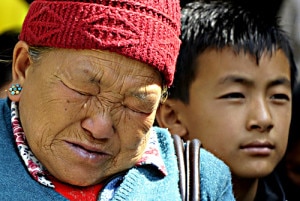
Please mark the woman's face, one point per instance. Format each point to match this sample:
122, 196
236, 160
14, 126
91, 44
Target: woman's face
86, 114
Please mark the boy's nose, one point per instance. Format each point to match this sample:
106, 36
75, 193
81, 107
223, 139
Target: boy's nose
260, 118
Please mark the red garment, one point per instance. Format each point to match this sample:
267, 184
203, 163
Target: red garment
75, 193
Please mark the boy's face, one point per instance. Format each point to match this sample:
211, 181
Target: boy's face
240, 110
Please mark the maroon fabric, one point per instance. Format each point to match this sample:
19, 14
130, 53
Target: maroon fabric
145, 30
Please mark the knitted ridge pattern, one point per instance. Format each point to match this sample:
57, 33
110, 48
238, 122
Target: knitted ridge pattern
145, 30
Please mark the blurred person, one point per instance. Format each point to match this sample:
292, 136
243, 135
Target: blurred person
290, 21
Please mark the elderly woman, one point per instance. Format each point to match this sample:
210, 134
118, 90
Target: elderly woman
88, 77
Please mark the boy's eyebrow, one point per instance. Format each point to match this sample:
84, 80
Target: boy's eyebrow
280, 81
245, 81
237, 79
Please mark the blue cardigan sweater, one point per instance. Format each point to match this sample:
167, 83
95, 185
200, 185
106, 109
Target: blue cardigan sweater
140, 183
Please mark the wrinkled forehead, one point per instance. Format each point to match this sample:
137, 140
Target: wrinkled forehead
101, 65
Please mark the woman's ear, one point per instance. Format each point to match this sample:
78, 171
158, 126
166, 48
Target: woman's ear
20, 64
167, 116
21, 61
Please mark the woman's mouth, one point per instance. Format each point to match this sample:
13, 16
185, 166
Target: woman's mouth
88, 153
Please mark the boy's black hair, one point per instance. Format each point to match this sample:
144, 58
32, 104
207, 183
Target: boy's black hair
217, 25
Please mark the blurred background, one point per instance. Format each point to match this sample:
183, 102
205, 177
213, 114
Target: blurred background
12, 13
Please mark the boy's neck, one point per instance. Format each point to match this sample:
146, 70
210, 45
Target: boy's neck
244, 188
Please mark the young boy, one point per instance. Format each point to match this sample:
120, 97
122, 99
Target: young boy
232, 90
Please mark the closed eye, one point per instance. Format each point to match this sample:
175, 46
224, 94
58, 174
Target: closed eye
145, 106
75, 90
137, 110
82, 93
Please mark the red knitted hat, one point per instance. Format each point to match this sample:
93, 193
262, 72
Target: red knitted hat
145, 30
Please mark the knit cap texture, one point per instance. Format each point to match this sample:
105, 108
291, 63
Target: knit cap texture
145, 30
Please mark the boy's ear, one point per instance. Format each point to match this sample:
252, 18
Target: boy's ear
20, 64
167, 117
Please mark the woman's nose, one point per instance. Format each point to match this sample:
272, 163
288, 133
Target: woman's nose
99, 125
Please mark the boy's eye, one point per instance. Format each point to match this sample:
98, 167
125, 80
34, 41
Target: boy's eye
233, 96
280, 97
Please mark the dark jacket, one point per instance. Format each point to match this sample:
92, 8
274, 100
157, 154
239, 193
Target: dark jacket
270, 188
